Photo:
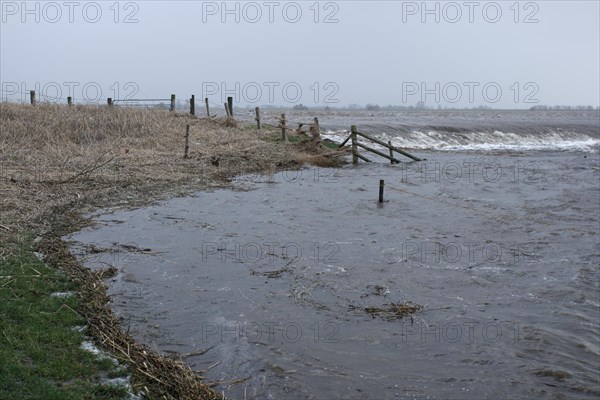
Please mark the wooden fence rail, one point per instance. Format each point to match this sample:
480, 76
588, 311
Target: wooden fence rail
355, 133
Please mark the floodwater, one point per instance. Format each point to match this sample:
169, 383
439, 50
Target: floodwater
270, 279
453, 130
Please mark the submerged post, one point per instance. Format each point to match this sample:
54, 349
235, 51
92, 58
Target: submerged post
257, 110
381, 185
283, 129
187, 141
207, 109
193, 105
172, 103
391, 152
354, 147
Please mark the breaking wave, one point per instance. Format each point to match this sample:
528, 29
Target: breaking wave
482, 141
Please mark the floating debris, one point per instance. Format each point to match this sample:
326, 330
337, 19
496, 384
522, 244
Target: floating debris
378, 290
558, 375
274, 274
92, 249
271, 274
391, 311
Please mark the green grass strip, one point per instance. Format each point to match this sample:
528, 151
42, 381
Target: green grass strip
40, 349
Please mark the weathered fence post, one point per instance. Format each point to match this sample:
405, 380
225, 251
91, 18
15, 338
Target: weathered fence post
109, 101
187, 141
381, 186
391, 152
315, 129
283, 129
230, 105
257, 110
354, 147
193, 105
69, 101
227, 109
172, 109
207, 109
32, 97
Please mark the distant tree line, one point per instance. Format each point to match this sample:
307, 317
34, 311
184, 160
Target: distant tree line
579, 108
418, 106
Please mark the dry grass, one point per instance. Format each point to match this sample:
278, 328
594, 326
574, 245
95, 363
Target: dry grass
52, 154
57, 163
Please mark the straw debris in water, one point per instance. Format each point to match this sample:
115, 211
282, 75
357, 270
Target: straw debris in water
392, 311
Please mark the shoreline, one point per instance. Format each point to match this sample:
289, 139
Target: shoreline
126, 158
147, 168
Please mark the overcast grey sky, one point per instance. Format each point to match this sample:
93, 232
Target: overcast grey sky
504, 54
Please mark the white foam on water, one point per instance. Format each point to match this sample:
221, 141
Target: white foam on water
486, 141
483, 141
336, 136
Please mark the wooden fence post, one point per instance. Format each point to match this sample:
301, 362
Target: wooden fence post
230, 105
193, 105
257, 110
381, 186
187, 141
354, 147
32, 97
207, 109
315, 129
69, 101
227, 110
172, 109
391, 152
283, 129
109, 101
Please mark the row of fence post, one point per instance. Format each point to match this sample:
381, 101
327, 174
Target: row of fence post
228, 109
282, 124
110, 102
228, 105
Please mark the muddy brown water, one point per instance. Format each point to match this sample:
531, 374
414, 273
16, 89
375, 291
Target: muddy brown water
271, 278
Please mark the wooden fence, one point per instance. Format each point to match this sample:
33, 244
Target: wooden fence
283, 123
355, 133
